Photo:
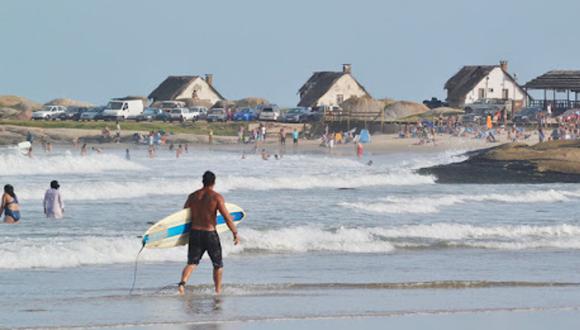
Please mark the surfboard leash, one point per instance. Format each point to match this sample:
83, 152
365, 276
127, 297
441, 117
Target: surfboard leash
135, 269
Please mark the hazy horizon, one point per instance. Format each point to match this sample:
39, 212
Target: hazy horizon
93, 51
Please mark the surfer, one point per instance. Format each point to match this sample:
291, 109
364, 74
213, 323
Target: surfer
204, 205
10, 205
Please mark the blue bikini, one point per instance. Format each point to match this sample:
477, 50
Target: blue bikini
10, 213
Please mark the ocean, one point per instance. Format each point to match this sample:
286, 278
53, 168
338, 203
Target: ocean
327, 237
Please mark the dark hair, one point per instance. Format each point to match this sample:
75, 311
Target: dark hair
54, 184
9, 189
208, 179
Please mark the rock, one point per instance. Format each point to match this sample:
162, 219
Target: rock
17, 107
554, 161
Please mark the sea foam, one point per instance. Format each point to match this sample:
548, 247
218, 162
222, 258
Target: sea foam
14, 164
398, 205
107, 189
87, 250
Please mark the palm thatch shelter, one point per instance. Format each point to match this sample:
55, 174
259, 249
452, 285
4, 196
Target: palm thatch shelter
403, 109
435, 113
557, 81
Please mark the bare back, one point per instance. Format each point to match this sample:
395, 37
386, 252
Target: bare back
203, 204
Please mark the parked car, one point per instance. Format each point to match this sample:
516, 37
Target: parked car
435, 103
489, 105
271, 113
217, 114
122, 109
296, 115
92, 114
49, 112
245, 114
527, 115
198, 112
151, 114
167, 106
73, 113
181, 114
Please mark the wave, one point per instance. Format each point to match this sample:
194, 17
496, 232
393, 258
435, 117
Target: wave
64, 252
399, 205
13, 164
107, 190
433, 236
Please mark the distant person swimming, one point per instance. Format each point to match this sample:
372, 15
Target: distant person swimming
10, 205
53, 204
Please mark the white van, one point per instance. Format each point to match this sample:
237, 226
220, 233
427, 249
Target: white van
123, 109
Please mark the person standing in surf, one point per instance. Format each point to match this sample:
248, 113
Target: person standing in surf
204, 205
53, 205
10, 205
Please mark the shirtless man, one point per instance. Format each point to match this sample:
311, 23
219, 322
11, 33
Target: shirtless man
204, 204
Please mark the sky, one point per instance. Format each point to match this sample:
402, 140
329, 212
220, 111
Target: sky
402, 49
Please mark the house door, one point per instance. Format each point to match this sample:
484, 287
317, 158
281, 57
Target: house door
481, 93
505, 94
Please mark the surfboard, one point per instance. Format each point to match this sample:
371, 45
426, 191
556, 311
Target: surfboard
173, 230
24, 146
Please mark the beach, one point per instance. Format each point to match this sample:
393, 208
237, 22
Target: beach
329, 242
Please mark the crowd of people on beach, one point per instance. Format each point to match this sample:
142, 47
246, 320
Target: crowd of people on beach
488, 129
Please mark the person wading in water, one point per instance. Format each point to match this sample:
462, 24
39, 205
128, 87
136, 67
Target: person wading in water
204, 205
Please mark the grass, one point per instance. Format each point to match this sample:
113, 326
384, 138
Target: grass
201, 127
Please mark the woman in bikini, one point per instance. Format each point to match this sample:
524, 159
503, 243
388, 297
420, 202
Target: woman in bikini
10, 205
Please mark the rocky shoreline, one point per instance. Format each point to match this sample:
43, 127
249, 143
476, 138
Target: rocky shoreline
548, 162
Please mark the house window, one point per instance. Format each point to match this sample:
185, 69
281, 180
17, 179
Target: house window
481, 93
505, 94
339, 98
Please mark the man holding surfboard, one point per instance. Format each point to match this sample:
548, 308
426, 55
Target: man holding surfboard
204, 205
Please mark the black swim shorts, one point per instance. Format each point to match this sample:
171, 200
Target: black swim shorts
201, 241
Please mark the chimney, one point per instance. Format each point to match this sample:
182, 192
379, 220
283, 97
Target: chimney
346, 68
503, 64
209, 79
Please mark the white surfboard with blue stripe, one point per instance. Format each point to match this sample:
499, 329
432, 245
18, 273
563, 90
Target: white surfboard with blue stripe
174, 230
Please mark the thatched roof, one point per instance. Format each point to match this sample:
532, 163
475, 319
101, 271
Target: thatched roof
250, 102
172, 86
434, 113
563, 80
365, 104
69, 103
443, 111
466, 79
318, 84
17, 107
402, 109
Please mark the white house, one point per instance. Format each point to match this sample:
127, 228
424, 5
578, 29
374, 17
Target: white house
330, 88
475, 82
187, 87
